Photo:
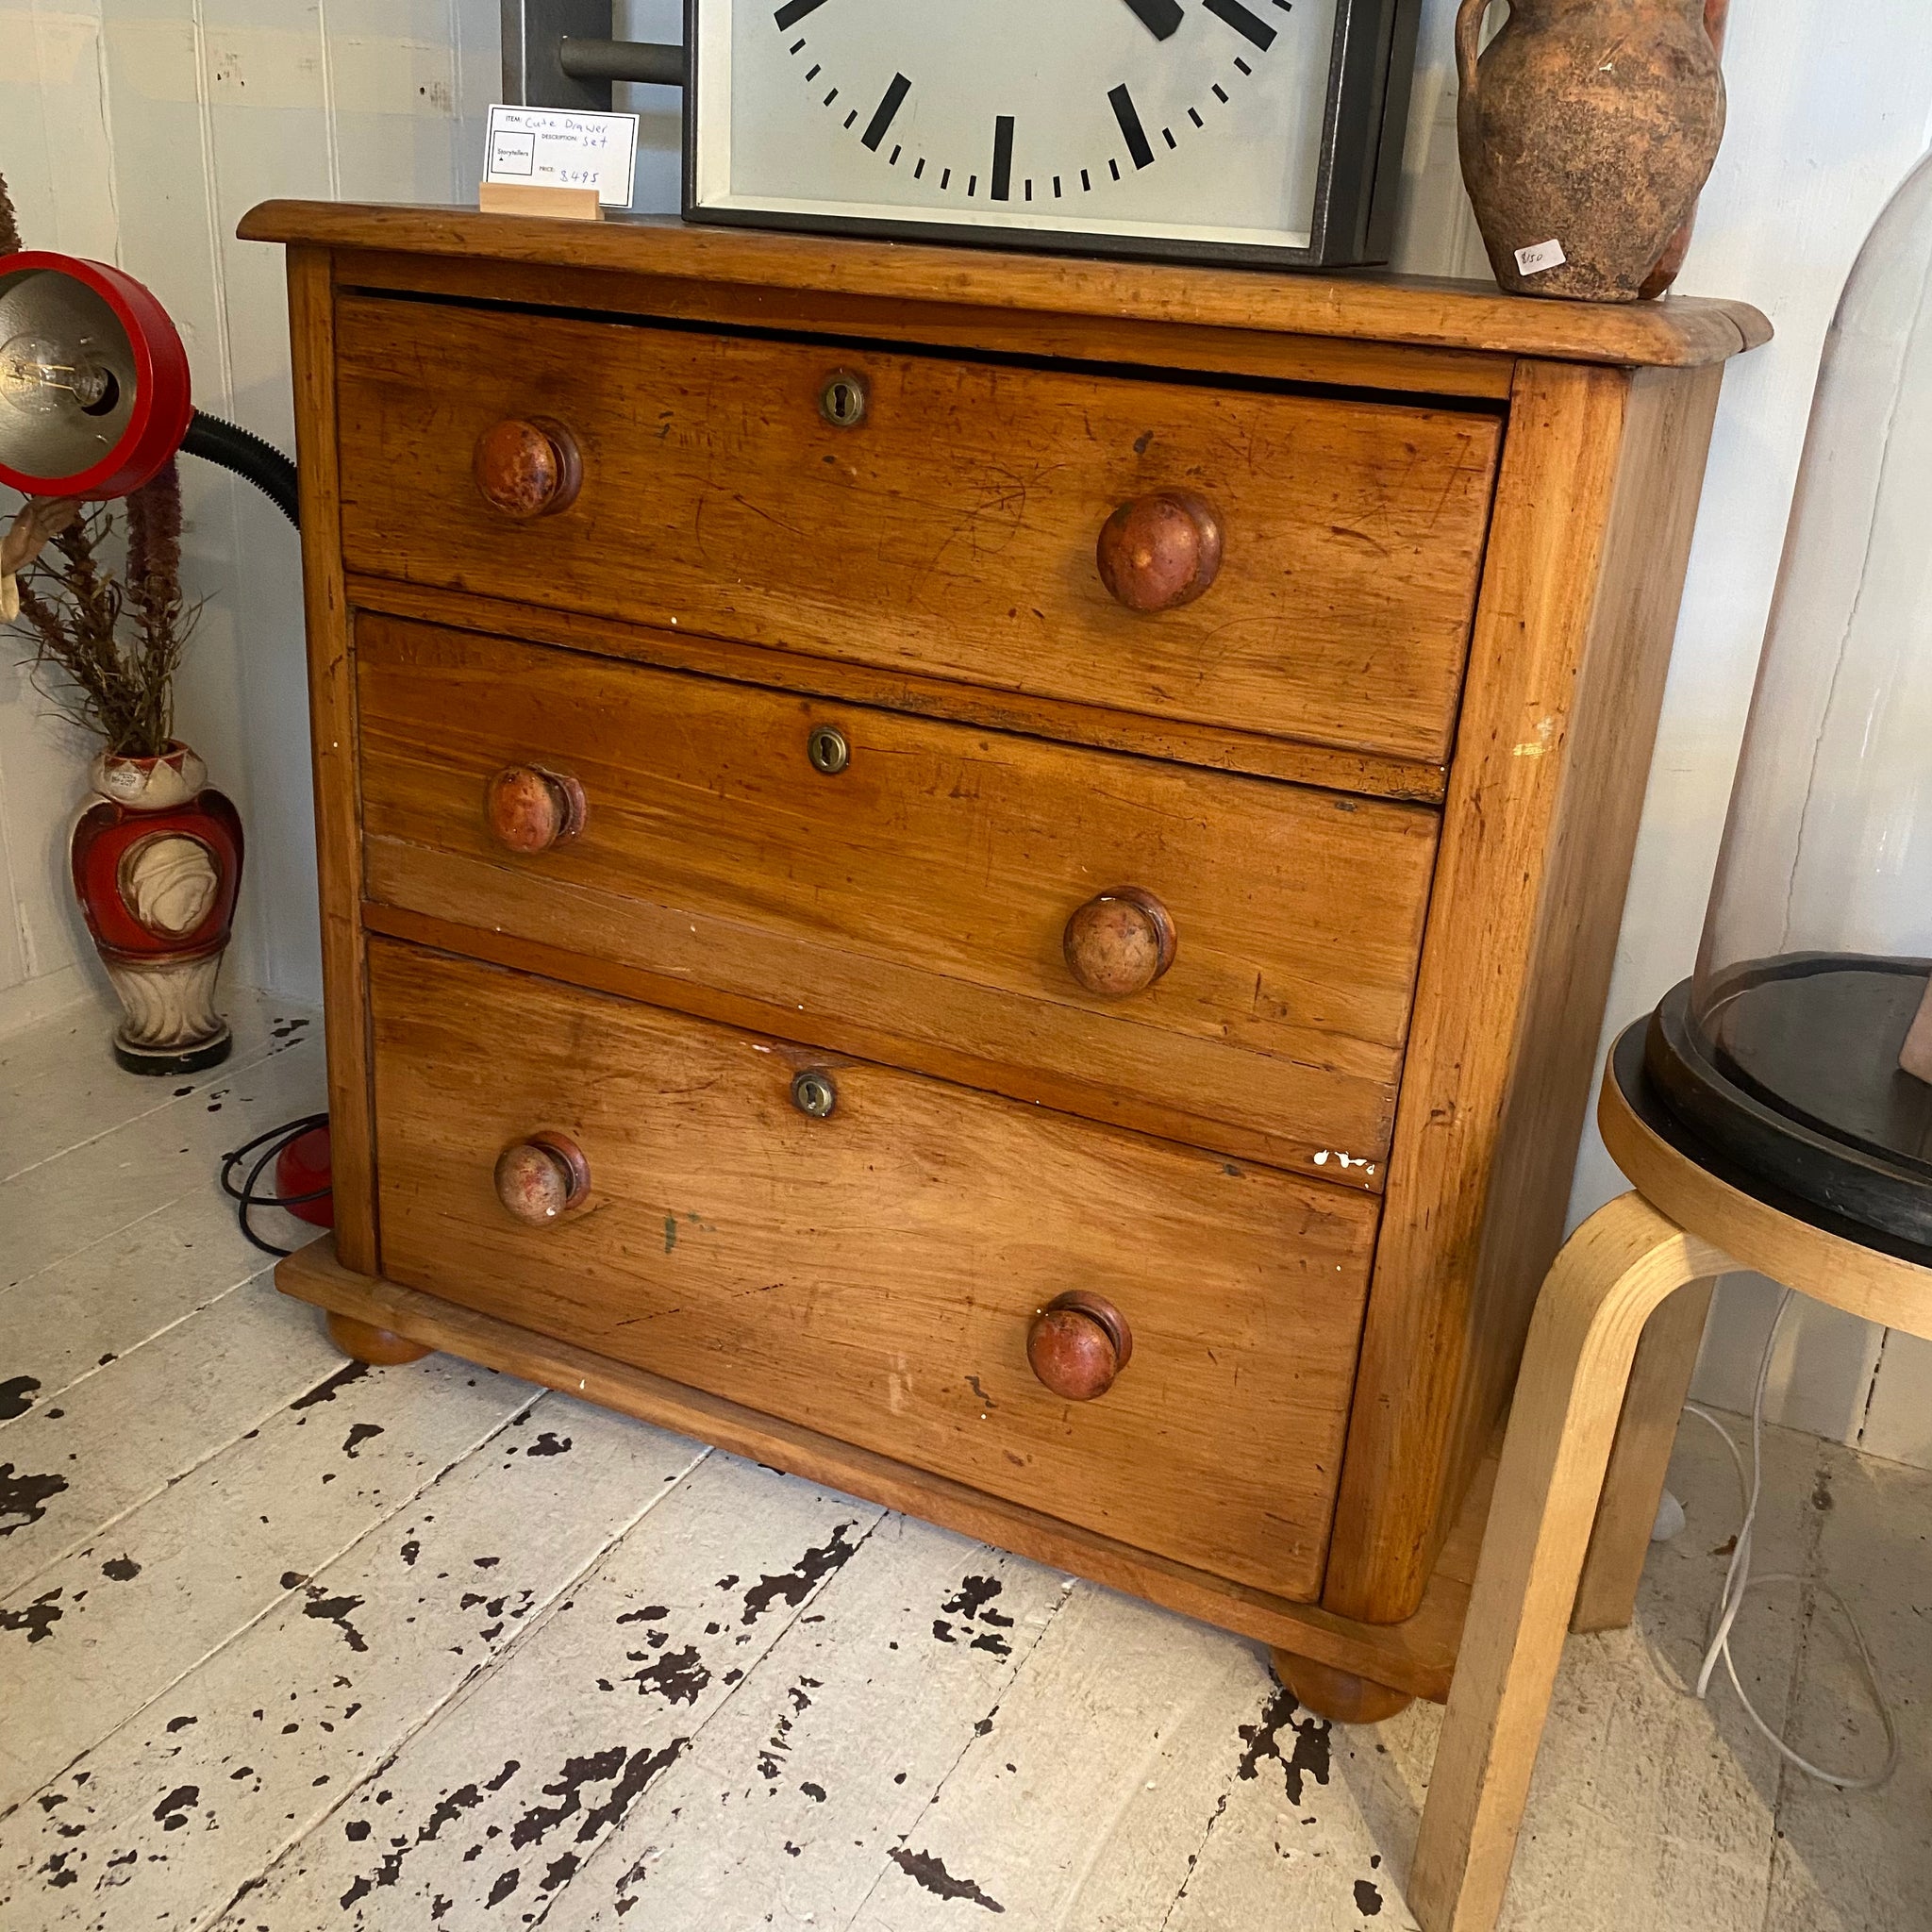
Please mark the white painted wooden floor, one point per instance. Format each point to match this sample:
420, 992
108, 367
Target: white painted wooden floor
289, 1645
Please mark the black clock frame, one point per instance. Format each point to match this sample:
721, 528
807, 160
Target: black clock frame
1365, 118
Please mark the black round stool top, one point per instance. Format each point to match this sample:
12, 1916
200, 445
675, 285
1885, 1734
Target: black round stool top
1672, 1085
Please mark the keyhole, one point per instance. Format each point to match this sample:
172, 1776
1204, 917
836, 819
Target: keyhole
814, 1094
842, 401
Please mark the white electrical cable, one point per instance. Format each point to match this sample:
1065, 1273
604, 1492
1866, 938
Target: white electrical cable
1738, 1579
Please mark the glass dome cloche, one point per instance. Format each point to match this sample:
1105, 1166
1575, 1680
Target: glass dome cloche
1801, 1049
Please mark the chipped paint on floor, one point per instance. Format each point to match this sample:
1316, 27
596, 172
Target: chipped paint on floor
287, 1644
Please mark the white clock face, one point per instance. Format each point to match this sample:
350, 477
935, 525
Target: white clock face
1198, 120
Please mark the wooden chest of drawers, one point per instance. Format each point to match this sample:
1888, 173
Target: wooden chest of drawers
989, 879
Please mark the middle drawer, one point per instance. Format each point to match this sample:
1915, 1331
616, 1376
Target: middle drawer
914, 904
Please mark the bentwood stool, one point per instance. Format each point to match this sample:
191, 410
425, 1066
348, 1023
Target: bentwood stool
1691, 1218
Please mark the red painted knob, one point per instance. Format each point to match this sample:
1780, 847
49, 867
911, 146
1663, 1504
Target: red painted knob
530, 809
1159, 552
1077, 1344
1120, 943
541, 1178
528, 469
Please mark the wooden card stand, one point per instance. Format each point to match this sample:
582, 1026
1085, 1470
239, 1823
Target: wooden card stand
529, 198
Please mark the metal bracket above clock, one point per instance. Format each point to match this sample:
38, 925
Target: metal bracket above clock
560, 54
1267, 135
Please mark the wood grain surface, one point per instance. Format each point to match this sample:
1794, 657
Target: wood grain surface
1119, 339
1219, 747
332, 746
873, 1275
953, 533
921, 894
1410, 310
1592, 531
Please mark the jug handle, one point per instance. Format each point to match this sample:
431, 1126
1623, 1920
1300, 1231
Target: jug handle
1469, 24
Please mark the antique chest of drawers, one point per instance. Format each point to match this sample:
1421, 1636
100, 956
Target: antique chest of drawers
988, 879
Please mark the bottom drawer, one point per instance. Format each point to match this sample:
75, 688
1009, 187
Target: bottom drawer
872, 1275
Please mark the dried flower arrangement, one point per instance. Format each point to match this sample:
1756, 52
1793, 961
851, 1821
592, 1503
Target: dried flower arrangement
113, 643
105, 648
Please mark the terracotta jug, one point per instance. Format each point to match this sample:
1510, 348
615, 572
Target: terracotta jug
1586, 131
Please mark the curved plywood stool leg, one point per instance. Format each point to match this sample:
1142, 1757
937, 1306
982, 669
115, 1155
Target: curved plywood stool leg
1616, 1268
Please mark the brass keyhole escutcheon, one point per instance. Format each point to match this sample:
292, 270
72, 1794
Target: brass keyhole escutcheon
814, 1094
827, 750
843, 399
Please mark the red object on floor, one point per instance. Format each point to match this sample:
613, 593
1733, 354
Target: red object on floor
302, 1167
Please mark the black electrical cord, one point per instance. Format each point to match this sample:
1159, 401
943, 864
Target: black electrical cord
262, 463
251, 458
245, 1197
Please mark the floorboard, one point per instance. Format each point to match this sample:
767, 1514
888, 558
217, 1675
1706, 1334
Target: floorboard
60, 1087
101, 1183
177, 1813
93, 1640
797, 1796
287, 1644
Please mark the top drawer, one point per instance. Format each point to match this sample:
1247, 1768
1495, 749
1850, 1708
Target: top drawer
952, 531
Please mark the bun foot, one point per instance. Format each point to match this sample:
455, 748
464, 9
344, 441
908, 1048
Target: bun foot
381, 1348
1338, 1695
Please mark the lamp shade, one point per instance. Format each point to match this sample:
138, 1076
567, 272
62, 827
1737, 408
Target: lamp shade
94, 392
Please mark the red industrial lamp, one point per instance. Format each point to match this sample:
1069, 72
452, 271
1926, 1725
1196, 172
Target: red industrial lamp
93, 381
95, 389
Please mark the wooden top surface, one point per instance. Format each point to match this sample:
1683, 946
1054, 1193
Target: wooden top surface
1678, 332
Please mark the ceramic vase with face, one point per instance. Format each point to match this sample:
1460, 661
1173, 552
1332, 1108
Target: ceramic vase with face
156, 867
1587, 129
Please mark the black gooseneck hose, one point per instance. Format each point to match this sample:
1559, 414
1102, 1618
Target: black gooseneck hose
251, 458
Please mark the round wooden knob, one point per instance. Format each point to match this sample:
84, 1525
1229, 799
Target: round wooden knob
528, 469
530, 809
541, 1178
1077, 1344
1159, 552
1120, 943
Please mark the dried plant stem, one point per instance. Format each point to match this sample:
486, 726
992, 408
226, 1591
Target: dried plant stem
106, 649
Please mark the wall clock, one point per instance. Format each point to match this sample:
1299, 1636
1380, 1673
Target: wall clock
1258, 132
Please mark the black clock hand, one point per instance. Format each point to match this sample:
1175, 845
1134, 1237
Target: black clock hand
1160, 17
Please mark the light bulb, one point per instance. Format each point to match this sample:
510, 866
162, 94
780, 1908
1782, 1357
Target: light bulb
40, 377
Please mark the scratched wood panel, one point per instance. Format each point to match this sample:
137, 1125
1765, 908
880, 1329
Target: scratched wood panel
490, 1811
94, 1638
55, 1208
925, 890
872, 1275
795, 1796
254, 1747
70, 1468
953, 531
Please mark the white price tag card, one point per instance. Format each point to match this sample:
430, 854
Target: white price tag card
554, 147
1544, 255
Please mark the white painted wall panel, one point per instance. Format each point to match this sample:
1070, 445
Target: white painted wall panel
137, 132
